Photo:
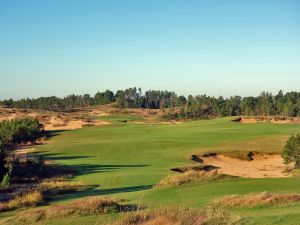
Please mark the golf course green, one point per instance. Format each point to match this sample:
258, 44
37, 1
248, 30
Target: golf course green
126, 160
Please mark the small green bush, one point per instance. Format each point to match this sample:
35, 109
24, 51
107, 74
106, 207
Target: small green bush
6, 180
291, 150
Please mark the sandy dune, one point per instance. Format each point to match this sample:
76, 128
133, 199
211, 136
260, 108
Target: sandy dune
57, 124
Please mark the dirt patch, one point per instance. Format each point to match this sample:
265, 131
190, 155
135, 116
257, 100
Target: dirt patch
261, 166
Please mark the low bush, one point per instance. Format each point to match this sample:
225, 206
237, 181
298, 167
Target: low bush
6, 180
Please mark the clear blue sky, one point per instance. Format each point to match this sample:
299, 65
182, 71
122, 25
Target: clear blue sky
59, 47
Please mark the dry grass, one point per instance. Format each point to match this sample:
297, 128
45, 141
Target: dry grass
39, 193
21, 201
55, 187
240, 155
289, 169
247, 155
258, 199
177, 215
82, 207
192, 177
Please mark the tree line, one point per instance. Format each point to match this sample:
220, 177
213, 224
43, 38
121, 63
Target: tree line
199, 106
266, 104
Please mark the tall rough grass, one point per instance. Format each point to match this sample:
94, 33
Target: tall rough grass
82, 207
192, 177
41, 193
25, 200
177, 215
258, 199
53, 187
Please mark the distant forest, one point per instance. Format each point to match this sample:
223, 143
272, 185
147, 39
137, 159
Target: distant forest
199, 106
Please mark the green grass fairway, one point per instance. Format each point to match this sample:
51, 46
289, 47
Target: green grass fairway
126, 160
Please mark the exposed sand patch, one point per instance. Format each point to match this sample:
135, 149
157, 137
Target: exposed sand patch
72, 124
101, 122
260, 167
248, 120
173, 122
99, 113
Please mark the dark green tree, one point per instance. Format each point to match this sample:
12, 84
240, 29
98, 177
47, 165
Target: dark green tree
291, 150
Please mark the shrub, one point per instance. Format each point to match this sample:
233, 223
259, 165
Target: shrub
20, 130
2, 163
291, 150
5, 183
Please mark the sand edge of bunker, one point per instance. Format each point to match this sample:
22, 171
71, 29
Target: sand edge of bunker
245, 164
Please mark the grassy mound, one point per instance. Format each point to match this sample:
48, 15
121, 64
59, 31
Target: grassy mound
192, 177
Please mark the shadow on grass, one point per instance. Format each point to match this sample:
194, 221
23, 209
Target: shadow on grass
84, 169
53, 133
57, 156
95, 191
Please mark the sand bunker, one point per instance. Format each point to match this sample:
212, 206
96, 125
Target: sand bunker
248, 120
260, 167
